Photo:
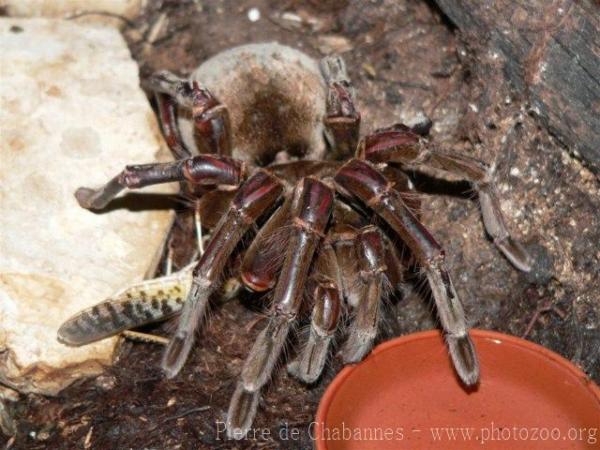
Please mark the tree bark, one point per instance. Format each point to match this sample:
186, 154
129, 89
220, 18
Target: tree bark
551, 51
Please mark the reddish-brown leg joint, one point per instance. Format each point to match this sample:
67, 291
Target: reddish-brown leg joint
213, 170
211, 119
386, 144
360, 180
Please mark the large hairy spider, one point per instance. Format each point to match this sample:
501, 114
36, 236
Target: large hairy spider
331, 221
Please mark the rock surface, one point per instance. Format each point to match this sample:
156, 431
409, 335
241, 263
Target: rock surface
550, 55
96, 11
71, 114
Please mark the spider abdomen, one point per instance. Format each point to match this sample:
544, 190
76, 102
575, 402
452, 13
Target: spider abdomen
276, 101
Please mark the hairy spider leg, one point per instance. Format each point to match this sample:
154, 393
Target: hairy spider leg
310, 212
211, 124
202, 170
358, 180
371, 256
399, 144
167, 118
254, 197
210, 117
325, 288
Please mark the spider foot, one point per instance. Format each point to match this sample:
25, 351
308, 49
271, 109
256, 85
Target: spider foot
309, 365
464, 358
176, 354
87, 198
515, 253
259, 193
264, 354
357, 346
242, 410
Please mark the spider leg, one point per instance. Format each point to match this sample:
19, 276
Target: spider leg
146, 302
359, 180
371, 255
342, 120
310, 211
326, 290
343, 239
262, 261
253, 198
202, 170
167, 117
394, 264
210, 117
399, 144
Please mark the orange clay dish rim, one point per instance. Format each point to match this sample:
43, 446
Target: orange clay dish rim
341, 378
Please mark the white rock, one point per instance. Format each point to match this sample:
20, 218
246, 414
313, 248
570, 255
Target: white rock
89, 10
71, 114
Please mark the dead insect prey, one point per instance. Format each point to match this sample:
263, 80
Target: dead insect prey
276, 140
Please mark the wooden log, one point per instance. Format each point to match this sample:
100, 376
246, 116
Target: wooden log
552, 57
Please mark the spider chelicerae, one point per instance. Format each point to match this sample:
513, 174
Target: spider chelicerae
330, 215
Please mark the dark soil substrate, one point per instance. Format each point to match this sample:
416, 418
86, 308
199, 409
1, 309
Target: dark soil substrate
406, 60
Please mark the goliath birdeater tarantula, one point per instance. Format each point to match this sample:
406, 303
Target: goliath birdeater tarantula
331, 221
